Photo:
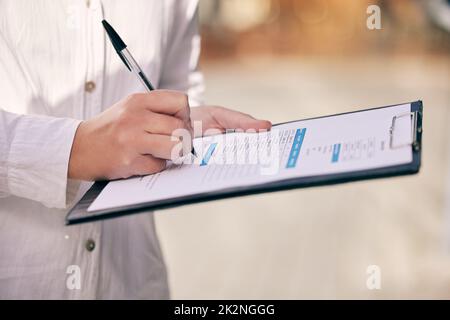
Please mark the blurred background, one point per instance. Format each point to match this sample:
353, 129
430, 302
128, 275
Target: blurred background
293, 59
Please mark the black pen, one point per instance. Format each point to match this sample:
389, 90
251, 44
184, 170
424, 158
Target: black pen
128, 60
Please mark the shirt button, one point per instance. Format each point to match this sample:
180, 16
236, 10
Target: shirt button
89, 86
90, 245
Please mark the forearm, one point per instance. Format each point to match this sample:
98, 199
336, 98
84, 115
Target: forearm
35, 152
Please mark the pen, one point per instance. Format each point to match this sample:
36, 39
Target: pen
128, 60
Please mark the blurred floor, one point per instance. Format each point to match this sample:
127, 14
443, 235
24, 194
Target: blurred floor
317, 243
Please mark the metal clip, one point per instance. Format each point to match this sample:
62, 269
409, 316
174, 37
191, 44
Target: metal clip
414, 141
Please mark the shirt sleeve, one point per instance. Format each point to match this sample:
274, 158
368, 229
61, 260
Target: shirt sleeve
180, 67
34, 157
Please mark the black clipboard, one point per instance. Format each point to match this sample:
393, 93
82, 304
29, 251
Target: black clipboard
79, 214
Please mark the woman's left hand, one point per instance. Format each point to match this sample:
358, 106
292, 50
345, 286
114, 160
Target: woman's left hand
215, 118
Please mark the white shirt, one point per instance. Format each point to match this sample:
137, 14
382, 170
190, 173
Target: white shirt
57, 68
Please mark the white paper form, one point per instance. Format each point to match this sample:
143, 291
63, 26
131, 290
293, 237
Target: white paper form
336, 144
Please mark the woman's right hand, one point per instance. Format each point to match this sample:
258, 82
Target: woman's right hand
133, 137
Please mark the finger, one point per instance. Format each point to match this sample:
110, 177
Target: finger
230, 119
158, 123
148, 164
163, 147
172, 103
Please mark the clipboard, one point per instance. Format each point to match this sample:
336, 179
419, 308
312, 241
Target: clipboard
79, 213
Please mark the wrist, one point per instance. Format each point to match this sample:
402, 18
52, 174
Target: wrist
76, 169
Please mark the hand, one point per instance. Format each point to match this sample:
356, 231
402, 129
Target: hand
133, 137
220, 118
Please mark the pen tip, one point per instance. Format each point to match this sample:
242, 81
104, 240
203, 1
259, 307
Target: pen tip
116, 41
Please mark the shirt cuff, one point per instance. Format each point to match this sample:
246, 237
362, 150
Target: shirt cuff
39, 157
